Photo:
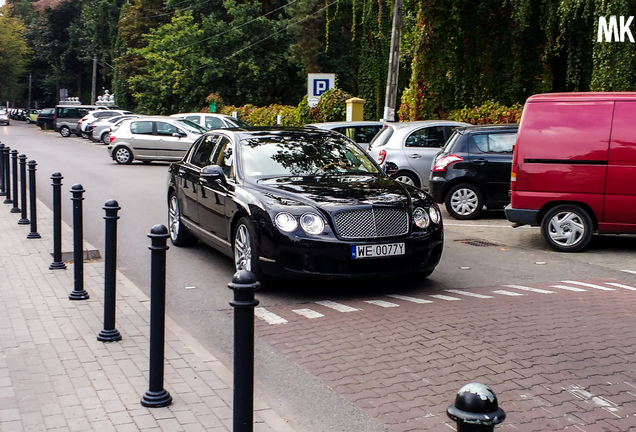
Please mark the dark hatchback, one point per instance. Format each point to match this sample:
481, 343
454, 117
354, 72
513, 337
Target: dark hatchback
45, 118
301, 203
473, 170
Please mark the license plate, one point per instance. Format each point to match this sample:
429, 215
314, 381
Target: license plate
377, 251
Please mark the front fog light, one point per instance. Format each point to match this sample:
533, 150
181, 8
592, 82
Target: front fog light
286, 222
435, 215
420, 217
312, 223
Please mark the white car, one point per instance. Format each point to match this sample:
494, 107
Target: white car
212, 121
410, 147
99, 130
97, 115
156, 138
4, 117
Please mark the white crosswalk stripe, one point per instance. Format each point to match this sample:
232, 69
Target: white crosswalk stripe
308, 313
336, 306
269, 317
589, 285
568, 285
410, 299
627, 287
508, 293
525, 288
569, 288
443, 297
468, 293
382, 303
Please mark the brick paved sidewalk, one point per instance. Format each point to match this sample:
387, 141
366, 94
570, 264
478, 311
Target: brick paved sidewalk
54, 374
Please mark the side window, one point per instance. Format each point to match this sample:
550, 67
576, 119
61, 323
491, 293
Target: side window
202, 154
495, 143
195, 119
141, 127
432, 137
223, 156
166, 129
214, 123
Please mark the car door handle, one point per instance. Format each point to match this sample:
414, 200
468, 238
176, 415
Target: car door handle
415, 156
480, 161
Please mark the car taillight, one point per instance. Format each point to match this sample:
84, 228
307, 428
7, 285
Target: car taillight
445, 161
381, 157
111, 138
513, 176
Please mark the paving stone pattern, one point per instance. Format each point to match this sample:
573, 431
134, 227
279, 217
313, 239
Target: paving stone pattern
54, 374
557, 359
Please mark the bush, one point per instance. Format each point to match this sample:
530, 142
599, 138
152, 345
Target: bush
332, 106
490, 112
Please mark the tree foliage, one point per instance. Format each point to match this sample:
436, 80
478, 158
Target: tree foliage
13, 53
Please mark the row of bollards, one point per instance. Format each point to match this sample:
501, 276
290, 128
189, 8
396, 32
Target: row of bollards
475, 408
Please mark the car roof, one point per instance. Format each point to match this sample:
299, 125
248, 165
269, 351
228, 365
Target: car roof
330, 125
420, 123
199, 113
490, 127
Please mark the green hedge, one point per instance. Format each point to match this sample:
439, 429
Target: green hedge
332, 107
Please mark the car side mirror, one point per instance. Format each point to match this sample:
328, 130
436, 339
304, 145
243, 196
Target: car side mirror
212, 173
390, 168
179, 134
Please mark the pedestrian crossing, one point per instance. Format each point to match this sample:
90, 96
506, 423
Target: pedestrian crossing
449, 295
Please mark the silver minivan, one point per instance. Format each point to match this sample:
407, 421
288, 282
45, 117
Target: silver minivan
67, 116
410, 147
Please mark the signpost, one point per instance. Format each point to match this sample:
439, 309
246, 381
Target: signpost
317, 84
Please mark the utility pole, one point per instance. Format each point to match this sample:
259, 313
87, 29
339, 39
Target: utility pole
94, 89
394, 64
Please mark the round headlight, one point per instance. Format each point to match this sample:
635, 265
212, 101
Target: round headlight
434, 214
312, 223
420, 217
286, 222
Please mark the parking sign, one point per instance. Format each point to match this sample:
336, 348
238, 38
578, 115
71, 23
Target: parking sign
317, 84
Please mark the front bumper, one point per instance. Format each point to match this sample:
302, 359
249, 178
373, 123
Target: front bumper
331, 259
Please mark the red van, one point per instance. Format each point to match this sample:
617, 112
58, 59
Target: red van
574, 167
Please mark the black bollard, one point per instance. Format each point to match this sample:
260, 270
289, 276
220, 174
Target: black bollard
78, 292
109, 333
244, 284
23, 190
14, 169
32, 201
157, 396
7, 175
476, 409
57, 222
2, 190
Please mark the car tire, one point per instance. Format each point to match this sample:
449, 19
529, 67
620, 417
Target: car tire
105, 138
65, 131
407, 177
464, 201
245, 248
179, 234
28, 121
123, 155
567, 228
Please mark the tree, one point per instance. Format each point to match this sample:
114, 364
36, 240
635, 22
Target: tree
13, 54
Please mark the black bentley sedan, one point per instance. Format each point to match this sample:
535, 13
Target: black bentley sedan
300, 203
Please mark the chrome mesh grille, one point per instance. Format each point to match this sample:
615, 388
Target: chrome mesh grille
371, 223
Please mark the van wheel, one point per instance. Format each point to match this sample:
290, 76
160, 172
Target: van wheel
464, 201
65, 131
567, 228
406, 177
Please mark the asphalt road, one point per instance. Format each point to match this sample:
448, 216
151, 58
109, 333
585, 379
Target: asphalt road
477, 254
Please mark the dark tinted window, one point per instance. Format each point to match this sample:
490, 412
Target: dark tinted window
360, 134
223, 156
427, 137
203, 151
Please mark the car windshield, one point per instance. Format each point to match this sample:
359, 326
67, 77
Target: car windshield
240, 122
191, 126
303, 154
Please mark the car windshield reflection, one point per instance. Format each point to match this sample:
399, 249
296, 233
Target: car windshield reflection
306, 155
